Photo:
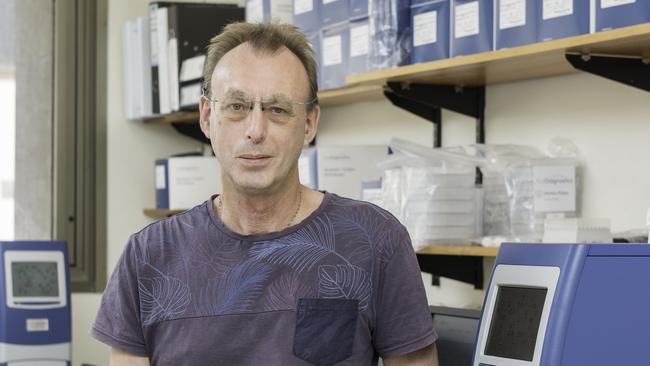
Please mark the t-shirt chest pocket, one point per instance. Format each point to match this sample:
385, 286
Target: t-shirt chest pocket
325, 330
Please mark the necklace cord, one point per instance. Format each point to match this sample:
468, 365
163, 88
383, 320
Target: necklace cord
293, 217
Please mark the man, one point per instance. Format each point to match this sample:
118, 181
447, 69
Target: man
268, 272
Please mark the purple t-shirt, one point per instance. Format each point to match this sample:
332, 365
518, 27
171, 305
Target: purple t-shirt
342, 287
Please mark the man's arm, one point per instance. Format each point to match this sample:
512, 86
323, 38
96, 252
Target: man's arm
121, 358
427, 356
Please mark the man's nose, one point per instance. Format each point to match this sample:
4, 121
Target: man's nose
257, 123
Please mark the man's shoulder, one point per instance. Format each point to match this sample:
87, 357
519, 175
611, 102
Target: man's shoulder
196, 218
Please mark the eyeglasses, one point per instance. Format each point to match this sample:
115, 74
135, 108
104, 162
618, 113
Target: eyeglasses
278, 110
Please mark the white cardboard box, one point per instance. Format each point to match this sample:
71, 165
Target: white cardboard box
341, 169
184, 182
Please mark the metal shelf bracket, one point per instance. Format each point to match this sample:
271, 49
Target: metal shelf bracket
191, 130
631, 71
426, 101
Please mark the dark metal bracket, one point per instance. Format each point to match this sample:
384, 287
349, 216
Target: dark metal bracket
191, 130
468, 269
426, 101
631, 71
423, 110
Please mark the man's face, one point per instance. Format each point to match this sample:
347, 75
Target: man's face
258, 149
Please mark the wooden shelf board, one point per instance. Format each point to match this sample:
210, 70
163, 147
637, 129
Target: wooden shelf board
185, 117
350, 94
161, 214
463, 250
519, 63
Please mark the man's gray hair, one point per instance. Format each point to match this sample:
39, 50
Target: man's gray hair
266, 37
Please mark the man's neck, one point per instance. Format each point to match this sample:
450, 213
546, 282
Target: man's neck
250, 214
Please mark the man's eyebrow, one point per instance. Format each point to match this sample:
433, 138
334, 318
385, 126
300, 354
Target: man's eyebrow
273, 98
236, 93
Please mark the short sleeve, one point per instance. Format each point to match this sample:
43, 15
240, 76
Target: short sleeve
403, 322
118, 320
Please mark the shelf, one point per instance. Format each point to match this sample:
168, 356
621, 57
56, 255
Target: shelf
519, 63
161, 214
350, 95
462, 250
176, 117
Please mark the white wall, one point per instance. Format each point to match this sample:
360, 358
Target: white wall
608, 123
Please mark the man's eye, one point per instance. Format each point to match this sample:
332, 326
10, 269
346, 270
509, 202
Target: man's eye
235, 107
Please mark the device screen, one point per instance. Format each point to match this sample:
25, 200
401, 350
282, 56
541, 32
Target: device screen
35, 279
515, 321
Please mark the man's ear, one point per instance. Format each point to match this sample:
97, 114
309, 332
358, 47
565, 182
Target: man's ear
311, 125
204, 116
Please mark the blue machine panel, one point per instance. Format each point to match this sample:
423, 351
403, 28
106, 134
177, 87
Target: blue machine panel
34, 301
612, 14
472, 27
599, 306
560, 19
430, 31
610, 318
516, 23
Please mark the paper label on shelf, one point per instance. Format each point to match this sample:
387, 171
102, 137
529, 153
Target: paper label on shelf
153, 34
254, 11
359, 40
332, 53
466, 20
281, 10
556, 8
302, 6
160, 177
512, 13
425, 28
554, 188
328, 1
604, 4
37, 325
192, 68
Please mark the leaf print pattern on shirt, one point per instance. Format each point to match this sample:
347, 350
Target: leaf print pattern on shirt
237, 292
283, 293
162, 298
344, 282
300, 250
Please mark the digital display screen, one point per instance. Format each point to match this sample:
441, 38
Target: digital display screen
35, 279
515, 322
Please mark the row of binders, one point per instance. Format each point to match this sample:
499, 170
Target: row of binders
164, 55
356, 36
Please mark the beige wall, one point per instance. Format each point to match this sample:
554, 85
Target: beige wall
608, 123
